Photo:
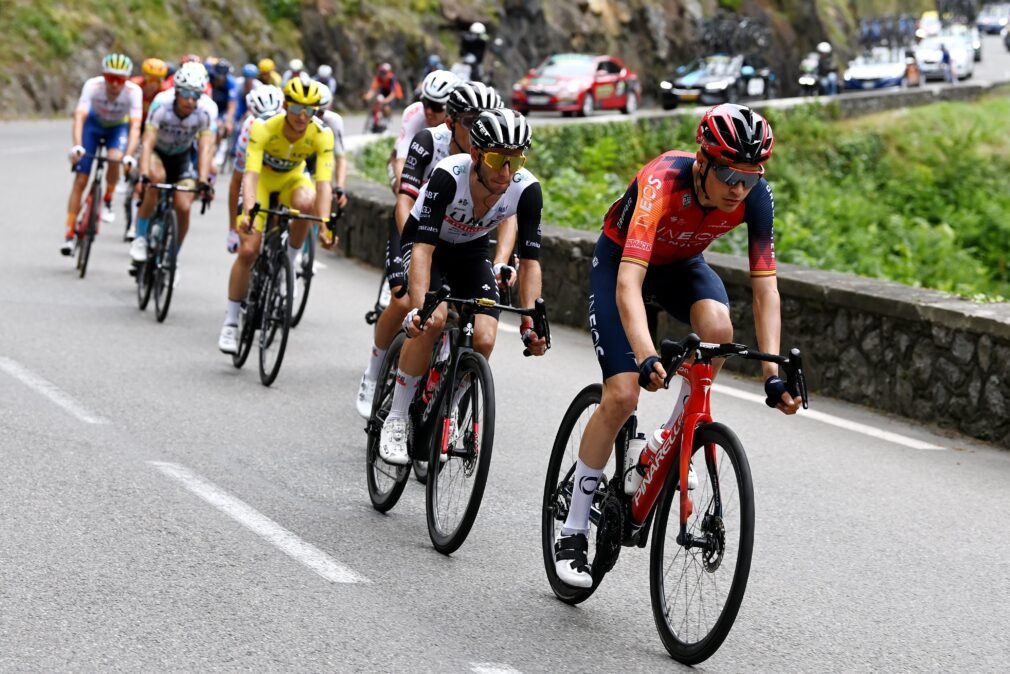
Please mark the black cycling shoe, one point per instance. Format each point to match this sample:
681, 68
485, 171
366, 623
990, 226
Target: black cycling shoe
571, 560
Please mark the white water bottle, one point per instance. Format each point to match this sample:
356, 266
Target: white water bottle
631, 477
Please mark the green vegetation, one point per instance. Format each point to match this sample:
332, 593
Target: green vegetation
916, 196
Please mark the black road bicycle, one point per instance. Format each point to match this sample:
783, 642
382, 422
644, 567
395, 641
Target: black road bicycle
156, 275
452, 417
267, 304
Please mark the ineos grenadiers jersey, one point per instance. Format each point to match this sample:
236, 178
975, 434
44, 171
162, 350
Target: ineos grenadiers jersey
411, 122
444, 213
94, 100
658, 221
176, 134
427, 149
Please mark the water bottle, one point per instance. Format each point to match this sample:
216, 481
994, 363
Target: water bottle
631, 477
155, 231
645, 459
443, 349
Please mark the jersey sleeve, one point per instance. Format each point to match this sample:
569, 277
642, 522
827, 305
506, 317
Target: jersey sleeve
528, 213
408, 128
438, 194
258, 137
422, 148
337, 127
760, 216
323, 144
644, 220
87, 95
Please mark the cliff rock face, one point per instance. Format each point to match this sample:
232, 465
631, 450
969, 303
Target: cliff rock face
53, 47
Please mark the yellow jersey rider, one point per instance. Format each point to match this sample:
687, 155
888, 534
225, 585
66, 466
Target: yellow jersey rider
275, 162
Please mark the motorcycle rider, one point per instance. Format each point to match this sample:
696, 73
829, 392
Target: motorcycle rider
827, 71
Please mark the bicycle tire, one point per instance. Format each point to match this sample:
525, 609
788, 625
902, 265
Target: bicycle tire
145, 280
90, 227
164, 270
275, 318
128, 200
384, 492
697, 650
445, 537
305, 273
556, 501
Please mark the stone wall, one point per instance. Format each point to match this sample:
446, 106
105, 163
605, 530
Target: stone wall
919, 353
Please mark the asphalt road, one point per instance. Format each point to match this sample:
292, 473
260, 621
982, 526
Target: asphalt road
162, 511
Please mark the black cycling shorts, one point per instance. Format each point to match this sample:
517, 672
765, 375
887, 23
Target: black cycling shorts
466, 268
177, 166
675, 287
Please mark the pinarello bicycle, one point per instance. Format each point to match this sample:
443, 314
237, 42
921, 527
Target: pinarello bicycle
702, 538
86, 227
157, 273
452, 421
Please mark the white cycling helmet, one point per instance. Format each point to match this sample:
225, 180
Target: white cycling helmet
296, 65
824, 48
192, 77
477, 28
325, 72
265, 101
325, 96
437, 86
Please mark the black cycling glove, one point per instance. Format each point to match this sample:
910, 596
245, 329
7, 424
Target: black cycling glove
645, 371
774, 388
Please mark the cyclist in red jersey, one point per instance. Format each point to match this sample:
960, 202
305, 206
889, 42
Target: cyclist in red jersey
651, 246
385, 89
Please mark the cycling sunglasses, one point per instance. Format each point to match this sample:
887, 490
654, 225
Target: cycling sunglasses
433, 106
304, 110
731, 176
115, 79
496, 160
188, 93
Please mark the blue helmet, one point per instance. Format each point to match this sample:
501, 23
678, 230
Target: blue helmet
249, 70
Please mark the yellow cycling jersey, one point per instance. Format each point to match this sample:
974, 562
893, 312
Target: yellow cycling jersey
268, 145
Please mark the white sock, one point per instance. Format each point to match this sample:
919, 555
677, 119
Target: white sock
585, 479
403, 393
232, 313
678, 409
293, 254
375, 363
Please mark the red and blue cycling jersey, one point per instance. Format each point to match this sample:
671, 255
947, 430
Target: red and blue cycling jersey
659, 221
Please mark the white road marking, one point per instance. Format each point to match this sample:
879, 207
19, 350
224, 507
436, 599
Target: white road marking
49, 390
23, 150
273, 533
492, 668
847, 424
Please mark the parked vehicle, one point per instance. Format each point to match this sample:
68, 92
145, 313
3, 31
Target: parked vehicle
929, 25
720, 78
882, 68
578, 84
808, 75
930, 57
993, 18
1005, 34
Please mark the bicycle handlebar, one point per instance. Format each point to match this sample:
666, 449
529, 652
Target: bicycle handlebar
538, 312
674, 353
172, 187
283, 212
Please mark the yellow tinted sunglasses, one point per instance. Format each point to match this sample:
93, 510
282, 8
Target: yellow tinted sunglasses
495, 161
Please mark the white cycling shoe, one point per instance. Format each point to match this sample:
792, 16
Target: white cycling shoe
227, 342
138, 250
393, 442
366, 392
107, 214
571, 561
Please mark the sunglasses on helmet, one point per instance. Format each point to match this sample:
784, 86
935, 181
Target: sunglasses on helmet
496, 160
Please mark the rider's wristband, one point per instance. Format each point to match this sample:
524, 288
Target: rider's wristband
646, 369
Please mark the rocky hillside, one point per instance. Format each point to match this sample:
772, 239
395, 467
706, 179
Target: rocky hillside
53, 46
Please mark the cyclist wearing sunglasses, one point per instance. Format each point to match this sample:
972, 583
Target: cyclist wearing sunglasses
426, 149
467, 197
177, 118
424, 113
651, 246
275, 163
109, 109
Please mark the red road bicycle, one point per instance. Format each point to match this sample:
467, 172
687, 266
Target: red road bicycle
701, 551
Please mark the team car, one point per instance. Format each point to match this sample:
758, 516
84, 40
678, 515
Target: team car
578, 84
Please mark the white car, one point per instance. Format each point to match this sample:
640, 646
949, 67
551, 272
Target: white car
879, 69
930, 57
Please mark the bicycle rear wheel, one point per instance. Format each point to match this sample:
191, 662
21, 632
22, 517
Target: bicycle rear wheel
696, 592
164, 265
385, 481
128, 202
558, 493
275, 319
454, 489
303, 275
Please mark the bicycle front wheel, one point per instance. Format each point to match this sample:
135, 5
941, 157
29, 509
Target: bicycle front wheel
696, 591
457, 476
385, 481
90, 226
303, 275
275, 320
164, 265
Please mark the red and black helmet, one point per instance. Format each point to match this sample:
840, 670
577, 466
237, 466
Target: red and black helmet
737, 133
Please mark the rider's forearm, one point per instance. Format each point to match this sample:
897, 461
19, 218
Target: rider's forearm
77, 134
340, 171
250, 181
506, 237
206, 155
402, 210
420, 273
767, 319
324, 199
147, 150
134, 137
398, 172
530, 283
631, 307
230, 114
